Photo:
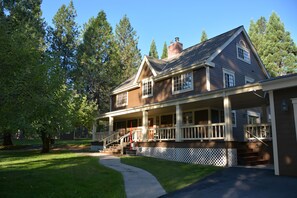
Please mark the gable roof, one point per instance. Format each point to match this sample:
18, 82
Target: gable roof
200, 54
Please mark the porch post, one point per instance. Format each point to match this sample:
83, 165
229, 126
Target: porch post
145, 124
110, 125
228, 119
179, 118
94, 130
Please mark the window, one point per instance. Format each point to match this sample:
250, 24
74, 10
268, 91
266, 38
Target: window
187, 118
147, 88
249, 80
234, 118
229, 78
182, 83
242, 52
122, 99
253, 117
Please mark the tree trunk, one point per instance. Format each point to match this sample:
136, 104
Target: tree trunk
7, 139
45, 142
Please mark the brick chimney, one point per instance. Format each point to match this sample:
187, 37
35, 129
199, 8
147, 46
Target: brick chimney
174, 48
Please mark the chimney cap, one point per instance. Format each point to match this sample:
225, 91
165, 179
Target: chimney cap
176, 39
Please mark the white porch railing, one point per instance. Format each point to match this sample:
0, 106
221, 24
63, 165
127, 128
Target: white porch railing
203, 132
258, 131
111, 139
167, 133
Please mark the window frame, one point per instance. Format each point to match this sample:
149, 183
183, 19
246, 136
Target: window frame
253, 114
229, 72
182, 76
241, 45
248, 80
147, 80
117, 99
234, 121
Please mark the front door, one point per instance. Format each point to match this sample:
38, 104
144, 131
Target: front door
150, 128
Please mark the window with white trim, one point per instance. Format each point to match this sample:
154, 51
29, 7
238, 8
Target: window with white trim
147, 88
253, 117
229, 78
249, 80
122, 99
182, 83
234, 118
243, 53
187, 118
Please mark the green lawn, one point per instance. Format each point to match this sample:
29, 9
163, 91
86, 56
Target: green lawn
58, 174
171, 175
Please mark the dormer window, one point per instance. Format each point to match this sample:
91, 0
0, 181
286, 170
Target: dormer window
122, 99
182, 83
147, 88
243, 53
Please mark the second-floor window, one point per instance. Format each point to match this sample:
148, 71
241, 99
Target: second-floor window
242, 52
182, 83
122, 99
147, 88
229, 78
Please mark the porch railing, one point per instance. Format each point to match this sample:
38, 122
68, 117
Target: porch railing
203, 132
167, 133
111, 139
258, 131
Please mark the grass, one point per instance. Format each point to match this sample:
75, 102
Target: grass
171, 175
57, 174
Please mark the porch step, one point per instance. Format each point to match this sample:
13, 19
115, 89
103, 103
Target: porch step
248, 157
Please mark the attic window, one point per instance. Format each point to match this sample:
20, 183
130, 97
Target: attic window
122, 99
147, 88
243, 53
182, 83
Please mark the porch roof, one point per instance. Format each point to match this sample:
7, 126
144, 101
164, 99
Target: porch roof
247, 96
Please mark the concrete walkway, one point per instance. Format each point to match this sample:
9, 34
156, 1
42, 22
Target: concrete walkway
138, 182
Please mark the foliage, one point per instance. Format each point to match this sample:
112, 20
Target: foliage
274, 45
171, 175
127, 41
153, 50
57, 174
203, 36
99, 66
65, 39
165, 51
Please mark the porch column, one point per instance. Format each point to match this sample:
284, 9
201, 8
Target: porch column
144, 124
179, 119
110, 125
94, 130
228, 119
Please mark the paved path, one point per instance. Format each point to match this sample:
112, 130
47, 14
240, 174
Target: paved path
138, 183
238, 182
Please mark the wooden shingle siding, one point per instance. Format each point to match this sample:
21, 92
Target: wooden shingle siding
228, 59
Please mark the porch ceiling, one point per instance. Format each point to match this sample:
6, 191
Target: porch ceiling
249, 100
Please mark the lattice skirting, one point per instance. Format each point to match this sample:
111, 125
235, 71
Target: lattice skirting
206, 156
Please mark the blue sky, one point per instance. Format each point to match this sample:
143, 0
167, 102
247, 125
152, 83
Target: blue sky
163, 20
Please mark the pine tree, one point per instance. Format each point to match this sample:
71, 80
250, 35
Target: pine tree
165, 52
153, 50
274, 45
257, 32
203, 36
98, 61
127, 41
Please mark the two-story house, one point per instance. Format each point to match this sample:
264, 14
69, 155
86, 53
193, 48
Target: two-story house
201, 104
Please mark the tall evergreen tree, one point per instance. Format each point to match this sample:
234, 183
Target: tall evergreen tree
274, 45
99, 61
153, 50
165, 52
203, 36
127, 41
65, 39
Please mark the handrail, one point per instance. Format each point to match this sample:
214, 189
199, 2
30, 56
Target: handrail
258, 138
111, 139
